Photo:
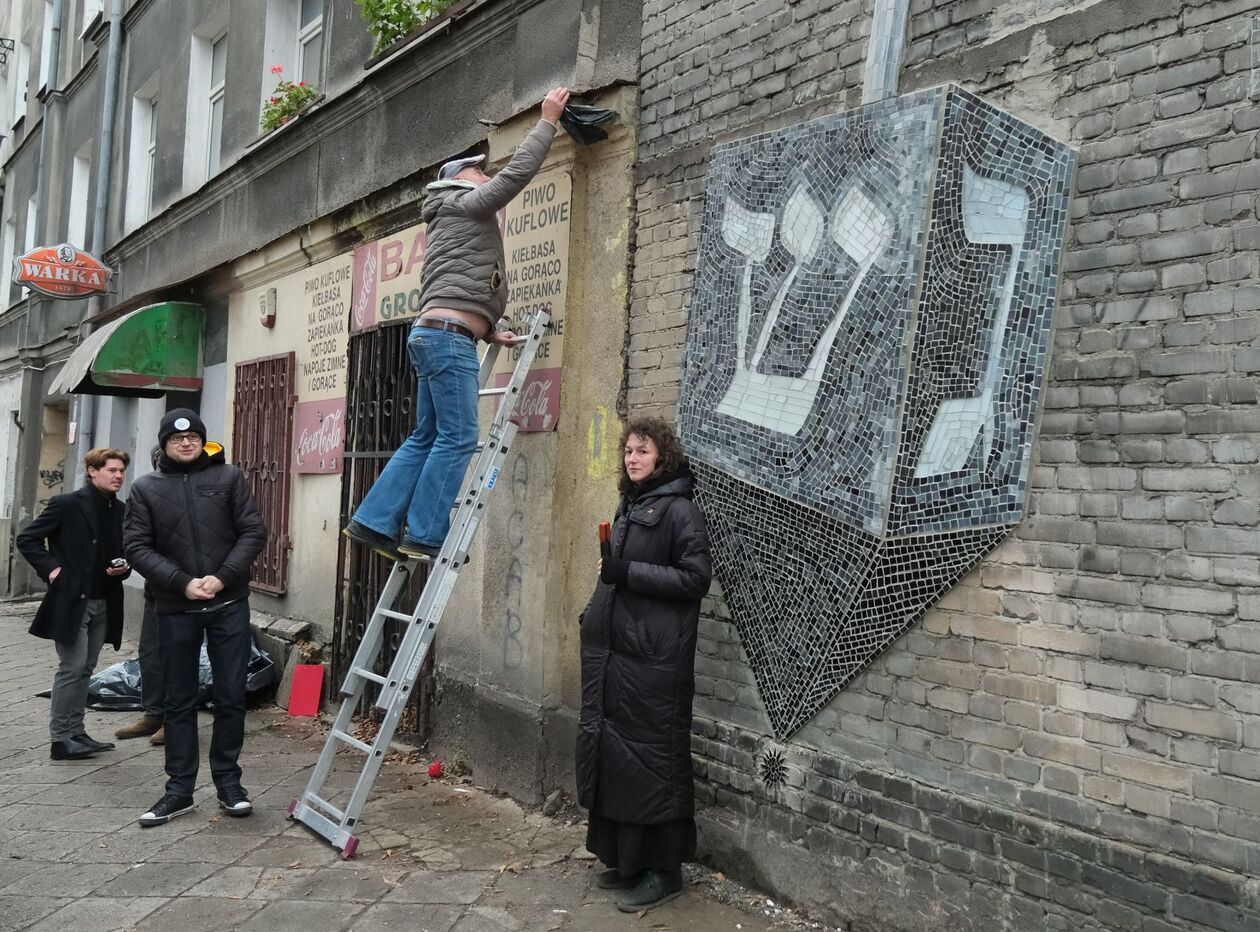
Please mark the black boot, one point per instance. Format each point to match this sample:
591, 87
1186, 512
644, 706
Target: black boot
92, 743
611, 879
655, 888
70, 750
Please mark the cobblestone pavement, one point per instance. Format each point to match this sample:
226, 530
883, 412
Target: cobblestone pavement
434, 855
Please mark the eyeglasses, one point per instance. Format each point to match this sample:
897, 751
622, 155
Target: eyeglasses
181, 439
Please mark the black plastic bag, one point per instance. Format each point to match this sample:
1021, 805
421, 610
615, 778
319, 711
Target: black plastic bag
117, 687
583, 123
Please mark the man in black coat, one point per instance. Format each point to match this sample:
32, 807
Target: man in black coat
75, 545
193, 529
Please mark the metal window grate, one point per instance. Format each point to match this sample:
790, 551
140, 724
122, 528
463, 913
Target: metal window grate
262, 437
381, 389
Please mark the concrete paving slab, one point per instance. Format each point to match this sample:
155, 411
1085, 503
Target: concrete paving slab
297, 916
435, 856
22, 912
202, 914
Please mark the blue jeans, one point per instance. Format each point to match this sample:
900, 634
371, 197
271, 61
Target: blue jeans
421, 481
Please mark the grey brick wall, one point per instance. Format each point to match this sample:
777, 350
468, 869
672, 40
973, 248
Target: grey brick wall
1071, 739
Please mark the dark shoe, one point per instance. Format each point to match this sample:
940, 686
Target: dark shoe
655, 888
70, 750
235, 802
415, 550
611, 879
91, 742
383, 545
142, 727
167, 808
159, 736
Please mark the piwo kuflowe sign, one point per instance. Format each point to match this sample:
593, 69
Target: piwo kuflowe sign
62, 272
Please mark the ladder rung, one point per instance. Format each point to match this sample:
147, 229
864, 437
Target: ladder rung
397, 616
352, 741
325, 805
368, 675
488, 392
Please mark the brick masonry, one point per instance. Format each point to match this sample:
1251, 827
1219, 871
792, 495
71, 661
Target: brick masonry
1071, 739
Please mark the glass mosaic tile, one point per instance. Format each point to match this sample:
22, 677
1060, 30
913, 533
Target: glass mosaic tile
865, 354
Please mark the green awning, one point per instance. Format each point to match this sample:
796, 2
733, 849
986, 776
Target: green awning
144, 354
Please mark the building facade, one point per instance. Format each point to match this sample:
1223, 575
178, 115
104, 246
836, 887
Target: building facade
267, 278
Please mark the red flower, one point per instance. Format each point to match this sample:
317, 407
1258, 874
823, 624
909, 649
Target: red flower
301, 84
277, 69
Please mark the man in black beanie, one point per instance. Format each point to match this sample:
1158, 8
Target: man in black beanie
193, 530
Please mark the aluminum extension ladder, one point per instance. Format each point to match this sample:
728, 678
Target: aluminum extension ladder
312, 808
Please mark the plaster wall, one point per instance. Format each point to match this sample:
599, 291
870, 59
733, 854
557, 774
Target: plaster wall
507, 650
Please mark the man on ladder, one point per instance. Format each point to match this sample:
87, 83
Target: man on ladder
463, 296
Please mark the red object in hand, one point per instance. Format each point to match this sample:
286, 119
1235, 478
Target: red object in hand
605, 539
435, 769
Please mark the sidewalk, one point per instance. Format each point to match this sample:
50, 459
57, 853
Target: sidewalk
434, 855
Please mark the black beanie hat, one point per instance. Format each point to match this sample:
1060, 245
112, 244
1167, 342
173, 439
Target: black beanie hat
180, 420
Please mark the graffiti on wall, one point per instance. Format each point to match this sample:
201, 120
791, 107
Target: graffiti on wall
864, 362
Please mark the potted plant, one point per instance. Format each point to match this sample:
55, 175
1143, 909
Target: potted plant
286, 102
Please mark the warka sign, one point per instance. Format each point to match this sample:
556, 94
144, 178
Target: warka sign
61, 272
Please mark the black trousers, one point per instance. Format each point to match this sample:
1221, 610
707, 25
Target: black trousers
152, 682
228, 640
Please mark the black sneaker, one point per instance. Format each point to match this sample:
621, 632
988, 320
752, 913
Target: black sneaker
235, 802
655, 888
167, 808
418, 551
93, 743
374, 540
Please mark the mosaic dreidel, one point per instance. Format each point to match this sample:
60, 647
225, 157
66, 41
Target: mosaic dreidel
865, 355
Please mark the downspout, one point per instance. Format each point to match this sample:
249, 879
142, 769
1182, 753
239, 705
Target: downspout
54, 69
885, 49
85, 439
41, 165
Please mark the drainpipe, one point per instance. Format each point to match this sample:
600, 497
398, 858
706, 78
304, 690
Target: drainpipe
884, 51
86, 435
54, 69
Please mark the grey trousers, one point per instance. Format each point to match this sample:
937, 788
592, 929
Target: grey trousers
70, 684
152, 676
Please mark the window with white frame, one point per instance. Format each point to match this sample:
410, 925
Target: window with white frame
294, 40
142, 164
30, 223
218, 80
204, 113
90, 9
21, 81
46, 48
7, 247
80, 180
310, 40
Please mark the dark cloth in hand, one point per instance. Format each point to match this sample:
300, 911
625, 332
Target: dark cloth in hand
615, 571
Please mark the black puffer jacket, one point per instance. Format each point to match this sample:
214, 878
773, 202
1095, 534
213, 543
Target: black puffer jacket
638, 660
184, 522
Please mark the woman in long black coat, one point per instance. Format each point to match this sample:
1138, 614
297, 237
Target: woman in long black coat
638, 674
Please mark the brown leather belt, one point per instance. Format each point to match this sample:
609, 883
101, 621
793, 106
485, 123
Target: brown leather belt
438, 323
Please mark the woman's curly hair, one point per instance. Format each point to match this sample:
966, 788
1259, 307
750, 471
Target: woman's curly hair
671, 455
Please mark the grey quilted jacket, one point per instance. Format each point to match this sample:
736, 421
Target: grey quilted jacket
184, 523
463, 260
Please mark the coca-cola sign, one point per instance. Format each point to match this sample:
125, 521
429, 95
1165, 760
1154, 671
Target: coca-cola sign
319, 436
538, 407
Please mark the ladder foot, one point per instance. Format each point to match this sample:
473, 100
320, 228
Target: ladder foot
352, 846
292, 807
